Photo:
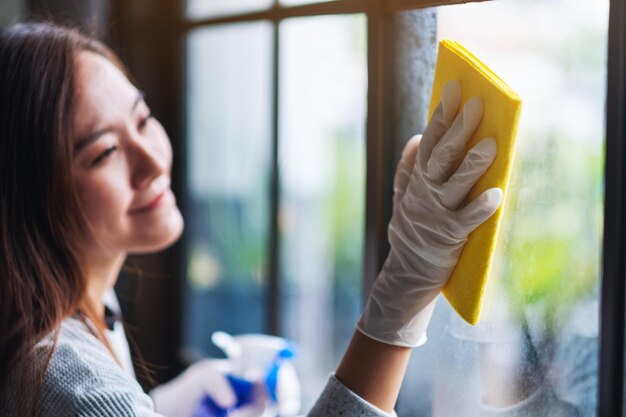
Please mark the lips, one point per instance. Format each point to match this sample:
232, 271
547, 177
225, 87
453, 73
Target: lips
151, 205
154, 202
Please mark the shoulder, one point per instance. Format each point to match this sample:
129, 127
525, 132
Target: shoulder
82, 377
80, 361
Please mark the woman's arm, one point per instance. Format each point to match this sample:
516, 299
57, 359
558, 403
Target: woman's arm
379, 381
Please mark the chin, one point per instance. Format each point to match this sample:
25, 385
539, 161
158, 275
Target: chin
167, 236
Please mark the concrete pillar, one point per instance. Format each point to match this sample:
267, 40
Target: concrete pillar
414, 37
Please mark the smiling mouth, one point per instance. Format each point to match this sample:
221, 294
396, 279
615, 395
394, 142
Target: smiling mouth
157, 202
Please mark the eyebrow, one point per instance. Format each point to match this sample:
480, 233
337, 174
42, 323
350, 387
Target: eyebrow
92, 137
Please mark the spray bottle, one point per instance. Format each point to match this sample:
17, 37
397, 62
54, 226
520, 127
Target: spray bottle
263, 377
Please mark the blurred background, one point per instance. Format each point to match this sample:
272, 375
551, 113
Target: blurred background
287, 119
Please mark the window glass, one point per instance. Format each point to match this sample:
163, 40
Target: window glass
197, 9
323, 84
228, 153
536, 348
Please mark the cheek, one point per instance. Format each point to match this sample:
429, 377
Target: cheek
104, 201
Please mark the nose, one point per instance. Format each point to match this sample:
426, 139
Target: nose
147, 163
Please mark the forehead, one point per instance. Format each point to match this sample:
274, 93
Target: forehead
103, 93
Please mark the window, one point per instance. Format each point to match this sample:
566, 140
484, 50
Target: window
320, 158
540, 324
290, 143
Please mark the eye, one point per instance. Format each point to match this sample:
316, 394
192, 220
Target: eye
144, 121
104, 155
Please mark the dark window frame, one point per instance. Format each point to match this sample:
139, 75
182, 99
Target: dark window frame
611, 378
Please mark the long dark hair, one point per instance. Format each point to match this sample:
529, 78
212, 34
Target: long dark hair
41, 276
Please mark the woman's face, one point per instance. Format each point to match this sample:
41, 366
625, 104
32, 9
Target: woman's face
123, 161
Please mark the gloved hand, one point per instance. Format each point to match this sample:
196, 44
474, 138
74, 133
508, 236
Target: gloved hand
429, 226
180, 397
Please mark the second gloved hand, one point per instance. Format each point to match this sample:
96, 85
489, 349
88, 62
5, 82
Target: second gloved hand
429, 225
180, 396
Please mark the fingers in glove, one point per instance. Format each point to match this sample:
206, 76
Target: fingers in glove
441, 120
451, 147
215, 384
405, 168
476, 162
479, 210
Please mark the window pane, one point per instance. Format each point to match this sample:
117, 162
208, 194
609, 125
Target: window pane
322, 164
197, 9
229, 148
539, 332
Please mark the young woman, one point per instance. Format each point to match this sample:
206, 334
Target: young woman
85, 181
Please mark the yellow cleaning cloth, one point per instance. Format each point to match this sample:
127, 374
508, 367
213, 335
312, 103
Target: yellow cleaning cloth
502, 106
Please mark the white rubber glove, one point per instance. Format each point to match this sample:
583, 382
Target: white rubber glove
428, 227
180, 396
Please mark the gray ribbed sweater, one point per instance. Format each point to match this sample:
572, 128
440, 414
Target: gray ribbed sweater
83, 380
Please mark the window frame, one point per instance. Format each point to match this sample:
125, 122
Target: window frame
136, 28
612, 308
